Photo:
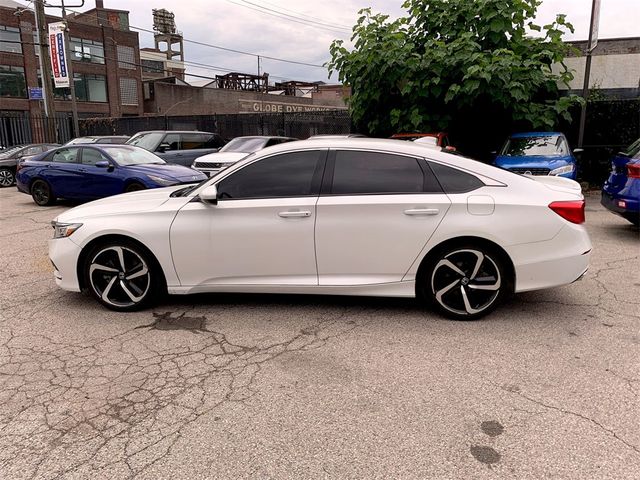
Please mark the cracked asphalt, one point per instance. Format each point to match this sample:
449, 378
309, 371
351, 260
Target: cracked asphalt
266, 386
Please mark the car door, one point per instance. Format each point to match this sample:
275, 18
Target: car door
169, 147
193, 145
99, 182
375, 214
63, 172
260, 232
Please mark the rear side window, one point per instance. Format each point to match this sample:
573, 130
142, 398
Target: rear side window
454, 180
64, 155
193, 140
295, 174
370, 173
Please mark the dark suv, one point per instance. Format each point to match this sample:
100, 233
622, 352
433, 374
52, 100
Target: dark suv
9, 158
181, 147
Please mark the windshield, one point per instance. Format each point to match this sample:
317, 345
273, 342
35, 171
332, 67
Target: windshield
244, 145
148, 141
133, 156
526, 146
10, 151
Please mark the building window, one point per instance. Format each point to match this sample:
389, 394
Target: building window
126, 57
10, 39
90, 88
12, 81
86, 50
152, 66
128, 91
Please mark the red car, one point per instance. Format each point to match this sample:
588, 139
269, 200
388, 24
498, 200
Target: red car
441, 137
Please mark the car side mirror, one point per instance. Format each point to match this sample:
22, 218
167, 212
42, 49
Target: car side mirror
209, 195
578, 151
163, 147
103, 164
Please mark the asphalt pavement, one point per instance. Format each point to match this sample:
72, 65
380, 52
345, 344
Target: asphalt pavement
269, 386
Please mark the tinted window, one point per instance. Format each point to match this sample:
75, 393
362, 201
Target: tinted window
287, 175
454, 180
174, 141
64, 155
91, 156
371, 173
193, 140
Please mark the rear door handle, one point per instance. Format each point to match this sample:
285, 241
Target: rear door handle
299, 214
422, 211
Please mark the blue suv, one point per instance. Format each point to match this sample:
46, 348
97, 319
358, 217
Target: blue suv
538, 153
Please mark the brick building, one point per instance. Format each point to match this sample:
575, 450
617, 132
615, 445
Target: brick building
105, 55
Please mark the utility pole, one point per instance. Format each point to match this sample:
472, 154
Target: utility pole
45, 65
591, 45
72, 82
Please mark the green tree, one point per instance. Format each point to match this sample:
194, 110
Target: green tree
455, 65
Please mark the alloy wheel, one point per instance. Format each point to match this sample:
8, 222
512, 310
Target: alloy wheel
6, 177
41, 193
466, 282
119, 276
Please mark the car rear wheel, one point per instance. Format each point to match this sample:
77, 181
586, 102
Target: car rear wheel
122, 276
134, 187
7, 178
42, 193
465, 282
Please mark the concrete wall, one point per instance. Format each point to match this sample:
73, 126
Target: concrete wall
170, 99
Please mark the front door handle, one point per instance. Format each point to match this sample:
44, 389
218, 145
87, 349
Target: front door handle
422, 211
297, 214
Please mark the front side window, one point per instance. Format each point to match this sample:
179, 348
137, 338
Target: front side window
366, 173
91, 156
10, 39
64, 155
292, 174
12, 81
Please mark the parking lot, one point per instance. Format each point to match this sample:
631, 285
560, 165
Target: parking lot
266, 386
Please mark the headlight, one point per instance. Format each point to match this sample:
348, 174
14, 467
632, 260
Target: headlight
63, 230
162, 181
562, 170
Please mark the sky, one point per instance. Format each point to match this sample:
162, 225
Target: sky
240, 25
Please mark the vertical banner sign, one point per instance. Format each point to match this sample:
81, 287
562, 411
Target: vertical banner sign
595, 21
58, 57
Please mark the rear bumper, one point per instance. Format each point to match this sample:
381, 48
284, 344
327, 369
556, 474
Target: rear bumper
559, 261
64, 255
620, 204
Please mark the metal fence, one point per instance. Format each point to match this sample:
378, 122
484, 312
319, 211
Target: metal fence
22, 127
300, 124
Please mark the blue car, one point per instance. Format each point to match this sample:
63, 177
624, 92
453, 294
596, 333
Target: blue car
97, 171
538, 153
621, 191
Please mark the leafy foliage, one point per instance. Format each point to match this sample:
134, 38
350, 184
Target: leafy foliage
453, 64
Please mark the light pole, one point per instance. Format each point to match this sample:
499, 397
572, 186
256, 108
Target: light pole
591, 45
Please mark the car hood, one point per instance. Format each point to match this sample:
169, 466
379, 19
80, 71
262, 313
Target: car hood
533, 161
134, 202
170, 171
222, 157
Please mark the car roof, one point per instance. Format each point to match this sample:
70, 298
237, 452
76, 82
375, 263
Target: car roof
536, 134
174, 131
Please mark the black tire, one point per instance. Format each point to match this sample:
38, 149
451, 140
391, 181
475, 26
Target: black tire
465, 281
42, 193
7, 178
122, 275
134, 187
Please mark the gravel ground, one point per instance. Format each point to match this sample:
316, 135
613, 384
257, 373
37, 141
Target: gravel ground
267, 386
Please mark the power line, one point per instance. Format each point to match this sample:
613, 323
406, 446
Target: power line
320, 20
289, 17
210, 45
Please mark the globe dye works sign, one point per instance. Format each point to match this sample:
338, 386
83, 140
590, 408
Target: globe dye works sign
258, 106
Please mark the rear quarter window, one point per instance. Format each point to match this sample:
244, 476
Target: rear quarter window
453, 180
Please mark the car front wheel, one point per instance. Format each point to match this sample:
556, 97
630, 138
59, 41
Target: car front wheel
122, 276
466, 282
7, 178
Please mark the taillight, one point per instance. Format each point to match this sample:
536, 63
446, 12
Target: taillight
572, 210
633, 170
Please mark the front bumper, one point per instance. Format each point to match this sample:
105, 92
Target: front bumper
64, 255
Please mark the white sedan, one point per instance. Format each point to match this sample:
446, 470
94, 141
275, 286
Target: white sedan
346, 217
